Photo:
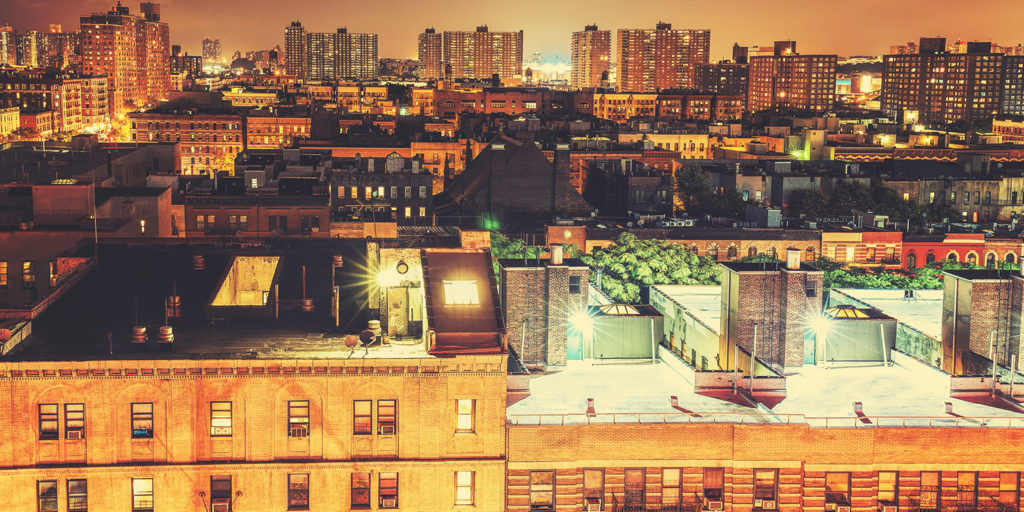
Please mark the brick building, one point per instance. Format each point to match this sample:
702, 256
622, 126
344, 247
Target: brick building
537, 297
38, 91
276, 128
475, 55
208, 135
727, 78
389, 188
793, 81
591, 57
662, 58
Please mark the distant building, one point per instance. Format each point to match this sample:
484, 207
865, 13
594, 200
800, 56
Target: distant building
10, 119
8, 46
295, 44
722, 78
339, 55
791, 81
392, 188
591, 57
211, 50
662, 58
208, 132
480, 54
64, 96
132, 51
429, 45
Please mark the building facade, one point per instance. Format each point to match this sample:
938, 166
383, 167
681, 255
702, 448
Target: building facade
662, 58
474, 55
722, 78
591, 57
792, 81
295, 57
206, 142
337, 55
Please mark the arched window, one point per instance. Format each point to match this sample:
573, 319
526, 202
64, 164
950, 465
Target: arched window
1011, 257
911, 260
713, 252
929, 258
952, 257
990, 260
731, 253
693, 248
972, 258
752, 252
809, 254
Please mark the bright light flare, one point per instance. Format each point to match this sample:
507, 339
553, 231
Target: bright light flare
821, 325
581, 321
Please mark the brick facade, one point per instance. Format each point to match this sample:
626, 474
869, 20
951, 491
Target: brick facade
538, 295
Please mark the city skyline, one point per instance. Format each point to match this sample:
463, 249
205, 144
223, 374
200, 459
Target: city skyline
877, 24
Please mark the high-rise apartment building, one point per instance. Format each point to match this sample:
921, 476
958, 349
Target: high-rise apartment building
429, 50
790, 80
943, 87
211, 50
295, 49
722, 78
8, 46
662, 58
28, 49
132, 50
57, 49
591, 56
1012, 101
474, 55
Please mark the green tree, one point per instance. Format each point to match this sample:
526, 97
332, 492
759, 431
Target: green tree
695, 195
810, 203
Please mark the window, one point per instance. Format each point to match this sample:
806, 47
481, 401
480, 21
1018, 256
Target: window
408, 192
887, 483
298, 418
423, 192
460, 293
28, 278
1009, 489
354, 192
3, 274
394, 192
966, 488
200, 223
368, 192
423, 211
362, 421
837, 489
48, 422
360, 490
387, 490
811, 288
74, 421
542, 490
46, 495
765, 485
220, 419
220, 492
298, 491
142, 420
714, 483
387, 423
142, 495
634, 487
464, 487
465, 411
78, 496
670, 488
408, 212
243, 222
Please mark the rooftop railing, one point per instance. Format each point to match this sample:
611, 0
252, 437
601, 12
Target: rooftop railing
764, 419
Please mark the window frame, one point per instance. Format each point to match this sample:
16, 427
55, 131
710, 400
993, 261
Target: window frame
298, 497
392, 489
677, 487
844, 495
138, 503
387, 420
78, 501
72, 418
634, 494
46, 419
296, 420
886, 492
470, 486
453, 296
720, 494
971, 490
214, 417
217, 493
773, 489
538, 488
358, 500
140, 418
459, 416
51, 503
575, 284
357, 429
1016, 489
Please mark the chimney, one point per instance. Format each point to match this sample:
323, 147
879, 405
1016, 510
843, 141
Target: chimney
591, 411
793, 259
556, 254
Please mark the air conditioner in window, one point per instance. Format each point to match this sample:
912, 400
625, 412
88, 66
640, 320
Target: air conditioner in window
74, 435
715, 505
843, 509
221, 505
315, 229
221, 431
298, 431
594, 505
389, 502
387, 430
768, 504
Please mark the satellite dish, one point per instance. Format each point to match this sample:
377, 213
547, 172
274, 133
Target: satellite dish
351, 341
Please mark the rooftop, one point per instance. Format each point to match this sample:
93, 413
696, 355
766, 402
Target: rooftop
922, 312
702, 302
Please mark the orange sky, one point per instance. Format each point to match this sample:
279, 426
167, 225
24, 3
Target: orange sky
822, 26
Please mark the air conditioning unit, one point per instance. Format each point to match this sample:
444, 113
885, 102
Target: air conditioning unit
844, 509
389, 503
221, 431
74, 435
890, 508
387, 430
298, 431
221, 505
594, 506
768, 504
716, 505
315, 229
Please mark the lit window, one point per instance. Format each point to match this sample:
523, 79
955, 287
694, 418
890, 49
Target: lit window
298, 418
3, 273
460, 293
220, 419
464, 487
142, 495
464, 416
388, 490
142, 420
298, 491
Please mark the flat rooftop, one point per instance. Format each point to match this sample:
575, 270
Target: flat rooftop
922, 312
702, 302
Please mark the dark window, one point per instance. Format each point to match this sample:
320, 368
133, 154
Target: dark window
387, 419
837, 489
46, 494
387, 490
142, 495
930, 484
74, 421
966, 489
78, 496
634, 494
142, 420
887, 487
714, 483
220, 493
542, 490
593, 488
765, 485
298, 418
360, 490
49, 426
1009, 489
811, 288
362, 419
574, 284
298, 491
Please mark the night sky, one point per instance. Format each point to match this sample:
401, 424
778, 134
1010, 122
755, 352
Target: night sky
819, 26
